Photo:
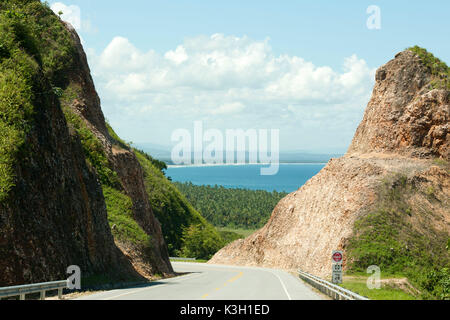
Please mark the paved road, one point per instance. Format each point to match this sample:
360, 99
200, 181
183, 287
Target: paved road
217, 282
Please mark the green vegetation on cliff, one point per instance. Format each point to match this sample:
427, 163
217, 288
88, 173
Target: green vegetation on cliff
93, 149
37, 55
16, 107
118, 205
397, 237
33, 50
438, 68
232, 208
120, 218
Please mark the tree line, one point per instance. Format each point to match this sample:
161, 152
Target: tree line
231, 208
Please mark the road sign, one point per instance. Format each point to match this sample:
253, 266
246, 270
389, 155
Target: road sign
337, 277
337, 257
337, 267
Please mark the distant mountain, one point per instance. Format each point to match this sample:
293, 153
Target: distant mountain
159, 152
295, 157
163, 153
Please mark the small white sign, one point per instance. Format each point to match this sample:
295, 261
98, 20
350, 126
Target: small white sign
337, 267
337, 277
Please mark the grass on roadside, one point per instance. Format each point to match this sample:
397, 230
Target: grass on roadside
193, 261
358, 284
243, 232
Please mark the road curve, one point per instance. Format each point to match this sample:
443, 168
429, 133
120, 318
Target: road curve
217, 282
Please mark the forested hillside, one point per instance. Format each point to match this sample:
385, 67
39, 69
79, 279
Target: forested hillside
232, 208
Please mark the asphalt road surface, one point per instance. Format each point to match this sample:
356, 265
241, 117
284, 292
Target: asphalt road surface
217, 282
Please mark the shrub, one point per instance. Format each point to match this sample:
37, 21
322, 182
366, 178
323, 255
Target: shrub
437, 283
201, 242
93, 150
120, 218
438, 68
385, 237
4, 52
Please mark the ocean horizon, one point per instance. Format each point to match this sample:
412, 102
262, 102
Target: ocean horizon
290, 177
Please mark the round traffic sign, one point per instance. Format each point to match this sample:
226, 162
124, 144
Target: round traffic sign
337, 257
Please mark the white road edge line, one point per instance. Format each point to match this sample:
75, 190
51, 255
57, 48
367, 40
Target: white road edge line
186, 277
282, 284
247, 267
136, 291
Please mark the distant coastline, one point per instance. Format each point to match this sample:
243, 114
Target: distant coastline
289, 177
240, 164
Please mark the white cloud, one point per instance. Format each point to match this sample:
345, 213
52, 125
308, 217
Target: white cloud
229, 108
217, 77
71, 14
178, 56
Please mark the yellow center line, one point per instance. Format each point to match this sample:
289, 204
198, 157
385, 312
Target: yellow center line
236, 277
239, 275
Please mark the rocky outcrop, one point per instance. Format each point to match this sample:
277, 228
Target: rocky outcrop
56, 215
132, 178
403, 116
405, 126
123, 160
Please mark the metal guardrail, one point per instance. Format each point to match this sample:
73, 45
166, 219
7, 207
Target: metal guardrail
334, 291
182, 259
42, 288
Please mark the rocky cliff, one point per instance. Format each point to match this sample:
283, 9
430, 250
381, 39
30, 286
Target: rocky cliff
403, 116
124, 162
396, 169
57, 159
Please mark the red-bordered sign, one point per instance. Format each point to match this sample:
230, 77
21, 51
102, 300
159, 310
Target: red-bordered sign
337, 256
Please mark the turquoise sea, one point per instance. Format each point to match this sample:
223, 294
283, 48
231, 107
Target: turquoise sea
290, 177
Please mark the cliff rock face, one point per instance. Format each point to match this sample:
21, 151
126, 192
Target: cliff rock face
55, 216
405, 125
403, 116
124, 161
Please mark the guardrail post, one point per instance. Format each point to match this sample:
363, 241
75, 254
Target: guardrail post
332, 290
41, 288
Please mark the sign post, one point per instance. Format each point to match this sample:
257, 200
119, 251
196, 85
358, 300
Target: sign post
337, 258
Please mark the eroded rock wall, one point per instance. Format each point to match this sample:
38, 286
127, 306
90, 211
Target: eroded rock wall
404, 128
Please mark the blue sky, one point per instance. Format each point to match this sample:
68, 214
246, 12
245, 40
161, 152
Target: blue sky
138, 48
